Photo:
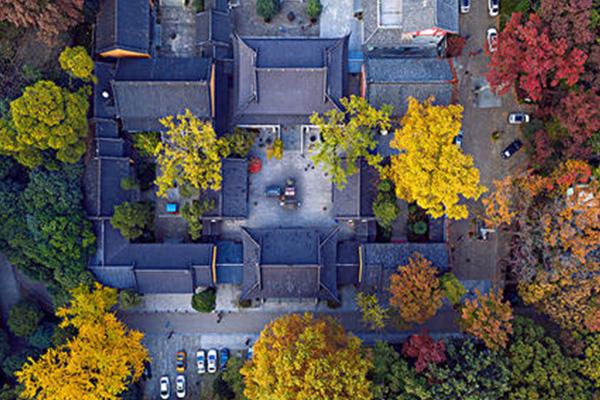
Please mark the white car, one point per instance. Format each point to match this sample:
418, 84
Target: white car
180, 386
494, 7
201, 361
165, 388
492, 39
465, 6
211, 361
518, 118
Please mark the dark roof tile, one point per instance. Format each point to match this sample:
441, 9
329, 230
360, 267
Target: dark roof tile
123, 24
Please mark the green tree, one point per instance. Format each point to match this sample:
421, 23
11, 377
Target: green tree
393, 378
133, 220
229, 384
129, 299
145, 143
539, 368
470, 373
313, 9
373, 314
204, 301
453, 288
77, 63
46, 118
193, 212
590, 365
42, 337
267, 9
347, 136
240, 141
189, 155
24, 318
385, 208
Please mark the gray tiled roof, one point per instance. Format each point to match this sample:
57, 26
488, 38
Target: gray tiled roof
140, 105
164, 281
163, 69
380, 260
112, 172
356, 199
121, 277
123, 24
232, 199
392, 80
213, 26
281, 80
413, 16
289, 263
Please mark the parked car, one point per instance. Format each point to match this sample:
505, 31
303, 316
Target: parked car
492, 39
518, 118
201, 361
180, 386
180, 361
511, 149
465, 6
458, 139
224, 357
494, 7
165, 388
211, 361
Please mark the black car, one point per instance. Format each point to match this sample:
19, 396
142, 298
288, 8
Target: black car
147, 374
512, 149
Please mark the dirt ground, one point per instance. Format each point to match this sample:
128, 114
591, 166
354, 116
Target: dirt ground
248, 23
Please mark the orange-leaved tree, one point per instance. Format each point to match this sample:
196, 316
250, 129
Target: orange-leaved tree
304, 357
430, 169
489, 318
415, 290
98, 362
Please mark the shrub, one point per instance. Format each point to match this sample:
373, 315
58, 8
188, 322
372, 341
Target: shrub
313, 9
453, 288
192, 212
204, 301
373, 314
133, 220
24, 318
275, 150
240, 142
267, 9
129, 183
76, 62
426, 350
145, 143
129, 299
385, 208
419, 228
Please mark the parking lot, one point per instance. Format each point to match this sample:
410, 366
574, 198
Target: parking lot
163, 351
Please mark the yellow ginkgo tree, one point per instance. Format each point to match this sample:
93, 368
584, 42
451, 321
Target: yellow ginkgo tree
429, 168
189, 154
301, 357
97, 363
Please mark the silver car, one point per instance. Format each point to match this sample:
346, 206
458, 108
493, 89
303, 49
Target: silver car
211, 361
518, 118
201, 361
465, 6
165, 388
180, 386
494, 7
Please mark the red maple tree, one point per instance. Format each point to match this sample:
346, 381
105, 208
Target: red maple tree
569, 20
528, 55
426, 350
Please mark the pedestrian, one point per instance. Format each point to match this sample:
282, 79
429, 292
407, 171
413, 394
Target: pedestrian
219, 316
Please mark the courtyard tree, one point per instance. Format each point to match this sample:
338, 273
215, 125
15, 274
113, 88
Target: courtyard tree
374, 315
304, 357
190, 154
430, 169
529, 56
48, 18
470, 373
99, 362
425, 350
347, 136
46, 118
267, 9
193, 212
488, 318
133, 220
415, 290
539, 368
385, 207
77, 63
393, 378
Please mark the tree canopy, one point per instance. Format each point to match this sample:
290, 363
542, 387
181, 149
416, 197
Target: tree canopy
303, 357
99, 362
430, 169
347, 136
190, 154
77, 63
415, 290
24, 318
133, 220
46, 118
